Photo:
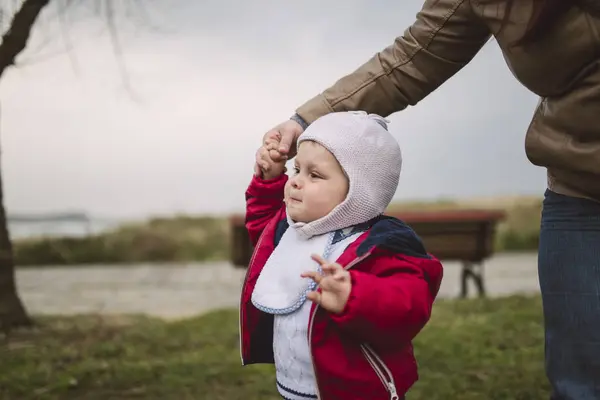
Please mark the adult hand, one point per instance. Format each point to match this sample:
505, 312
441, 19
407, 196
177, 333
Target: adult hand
335, 284
285, 134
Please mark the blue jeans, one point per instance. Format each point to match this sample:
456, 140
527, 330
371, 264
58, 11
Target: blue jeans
569, 273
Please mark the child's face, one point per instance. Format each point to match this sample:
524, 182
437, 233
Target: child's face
317, 185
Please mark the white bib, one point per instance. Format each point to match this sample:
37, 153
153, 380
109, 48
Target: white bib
280, 289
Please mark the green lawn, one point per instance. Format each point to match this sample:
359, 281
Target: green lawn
472, 349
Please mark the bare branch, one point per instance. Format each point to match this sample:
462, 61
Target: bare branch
19, 29
140, 11
35, 52
114, 36
15, 39
66, 37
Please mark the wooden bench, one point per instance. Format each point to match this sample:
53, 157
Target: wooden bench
466, 236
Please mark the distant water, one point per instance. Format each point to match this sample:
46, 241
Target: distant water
20, 230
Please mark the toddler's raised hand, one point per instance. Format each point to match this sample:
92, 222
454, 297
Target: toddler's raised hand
265, 165
335, 284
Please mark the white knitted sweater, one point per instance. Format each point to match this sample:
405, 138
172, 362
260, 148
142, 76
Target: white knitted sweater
293, 364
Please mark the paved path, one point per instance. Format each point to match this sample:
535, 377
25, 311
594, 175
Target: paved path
174, 291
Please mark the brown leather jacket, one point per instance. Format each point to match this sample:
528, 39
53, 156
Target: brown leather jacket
563, 68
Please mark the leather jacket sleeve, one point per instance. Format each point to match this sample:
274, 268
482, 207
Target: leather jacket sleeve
446, 35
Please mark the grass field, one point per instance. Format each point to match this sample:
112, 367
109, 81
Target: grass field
471, 350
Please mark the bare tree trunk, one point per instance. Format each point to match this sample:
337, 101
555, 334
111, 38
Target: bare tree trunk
12, 312
14, 41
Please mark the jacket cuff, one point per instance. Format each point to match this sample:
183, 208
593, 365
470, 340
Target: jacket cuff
314, 108
300, 121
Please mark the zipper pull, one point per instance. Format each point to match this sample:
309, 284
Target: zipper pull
393, 392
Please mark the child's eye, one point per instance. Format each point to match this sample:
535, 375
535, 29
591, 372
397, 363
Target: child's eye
314, 176
296, 170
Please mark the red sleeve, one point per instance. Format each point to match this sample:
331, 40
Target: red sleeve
389, 310
264, 198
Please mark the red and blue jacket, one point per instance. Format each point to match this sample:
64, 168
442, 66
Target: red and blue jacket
366, 351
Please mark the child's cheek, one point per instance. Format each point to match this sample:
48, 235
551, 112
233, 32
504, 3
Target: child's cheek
286, 191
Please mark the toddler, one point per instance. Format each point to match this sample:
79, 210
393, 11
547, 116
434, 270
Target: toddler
335, 291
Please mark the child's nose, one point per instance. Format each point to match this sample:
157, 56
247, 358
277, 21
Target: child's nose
296, 182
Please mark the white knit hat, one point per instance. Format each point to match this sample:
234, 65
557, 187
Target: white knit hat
370, 157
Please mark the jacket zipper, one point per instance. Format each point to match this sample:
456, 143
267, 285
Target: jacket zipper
382, 371
312, 321
250, 264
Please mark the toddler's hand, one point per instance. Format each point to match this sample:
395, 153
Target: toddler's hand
335, 285
265, 165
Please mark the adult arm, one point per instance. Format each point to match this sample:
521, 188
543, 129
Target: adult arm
446, 35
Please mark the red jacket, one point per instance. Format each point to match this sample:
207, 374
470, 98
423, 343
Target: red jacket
366, 351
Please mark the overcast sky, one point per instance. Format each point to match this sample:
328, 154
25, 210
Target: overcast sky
209, 82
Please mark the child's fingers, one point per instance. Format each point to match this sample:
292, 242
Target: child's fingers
272, 137
264, 153
315, 297
335, 271
340, 275
271, 145
331, 268
314, 275
257, 170
316, 257
264, 159
332, 284
276, 156
273, 150
259, 160
274, 153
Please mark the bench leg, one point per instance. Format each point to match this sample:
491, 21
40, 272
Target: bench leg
475, 272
